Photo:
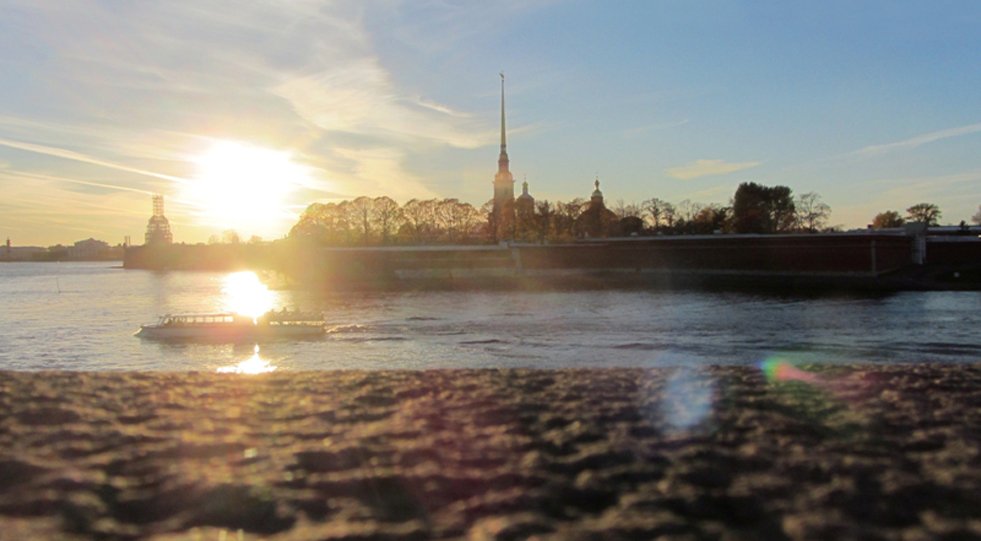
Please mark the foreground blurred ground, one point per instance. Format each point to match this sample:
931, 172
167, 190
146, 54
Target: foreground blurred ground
776, 452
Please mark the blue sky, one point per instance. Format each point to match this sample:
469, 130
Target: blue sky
873, 105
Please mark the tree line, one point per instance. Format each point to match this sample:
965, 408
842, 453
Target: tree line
381, 220
754, 208
927, 213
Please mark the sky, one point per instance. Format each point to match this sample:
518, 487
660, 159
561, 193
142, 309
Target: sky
243, 113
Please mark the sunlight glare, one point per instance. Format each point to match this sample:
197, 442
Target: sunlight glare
252, 365
243, 293
244, 187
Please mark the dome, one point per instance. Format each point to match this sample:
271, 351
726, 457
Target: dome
525, 196
597, 196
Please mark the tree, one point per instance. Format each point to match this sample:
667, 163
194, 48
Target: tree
230, 236
545, 213
656, 209
386, 216
487, 209
668, 214
361, 211
625, 210
762, 209
565, 217
708, 220
631, 226
415, 213
688, 209
812, 213
977, 216
783, 210
887, 219
458, 220
927, 213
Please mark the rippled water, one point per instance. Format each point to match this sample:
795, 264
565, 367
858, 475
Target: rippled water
82, 316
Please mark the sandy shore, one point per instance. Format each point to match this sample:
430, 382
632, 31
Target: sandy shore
870, 452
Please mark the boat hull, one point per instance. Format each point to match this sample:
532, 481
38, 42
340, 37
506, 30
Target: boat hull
229, 332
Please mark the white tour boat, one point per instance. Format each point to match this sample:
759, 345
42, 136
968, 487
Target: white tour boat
230, 327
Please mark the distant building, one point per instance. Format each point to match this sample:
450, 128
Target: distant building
23, 253
596, 220
158, 228
524, 208
502, 215
89, 249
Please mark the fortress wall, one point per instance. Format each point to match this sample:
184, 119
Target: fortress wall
953, 250
840, 258
810, 254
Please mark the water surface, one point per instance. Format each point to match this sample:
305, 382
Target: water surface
81, 316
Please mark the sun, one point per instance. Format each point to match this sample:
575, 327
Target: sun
243, 293
244, 187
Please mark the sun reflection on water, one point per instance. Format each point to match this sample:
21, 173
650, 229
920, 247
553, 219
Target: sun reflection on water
253, 365
243, 293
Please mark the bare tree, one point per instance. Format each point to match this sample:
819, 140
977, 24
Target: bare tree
689, 209
812, 213
655, 209
624, 210
669, 214
977, 216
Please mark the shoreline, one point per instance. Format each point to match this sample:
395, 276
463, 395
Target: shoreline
820, 451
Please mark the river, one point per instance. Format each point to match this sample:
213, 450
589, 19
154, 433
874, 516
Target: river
82, 316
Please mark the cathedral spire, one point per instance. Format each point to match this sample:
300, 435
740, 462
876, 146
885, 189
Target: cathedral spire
502, 216
502, 161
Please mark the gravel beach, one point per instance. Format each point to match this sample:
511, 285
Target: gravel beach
732, 452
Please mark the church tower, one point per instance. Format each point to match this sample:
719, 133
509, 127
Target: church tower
503, 212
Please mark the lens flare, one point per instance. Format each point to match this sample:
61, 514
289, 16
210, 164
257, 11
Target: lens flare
687, 400
776, 369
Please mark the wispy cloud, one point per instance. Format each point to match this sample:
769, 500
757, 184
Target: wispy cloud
79, 157
919, 140
360, 97
706, 168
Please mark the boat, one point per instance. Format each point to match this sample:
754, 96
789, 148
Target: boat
228, 326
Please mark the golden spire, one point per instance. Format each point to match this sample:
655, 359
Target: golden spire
502, 161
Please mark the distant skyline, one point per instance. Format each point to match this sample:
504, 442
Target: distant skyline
242, 114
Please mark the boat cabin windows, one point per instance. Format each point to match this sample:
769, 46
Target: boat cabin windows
207, 319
